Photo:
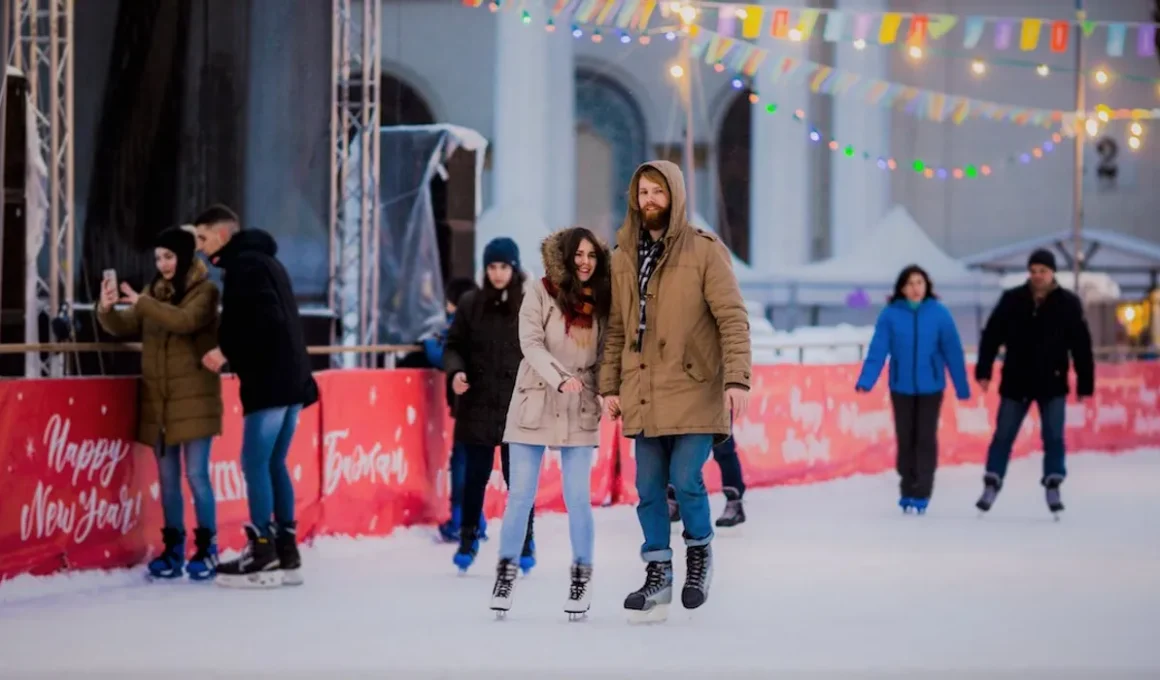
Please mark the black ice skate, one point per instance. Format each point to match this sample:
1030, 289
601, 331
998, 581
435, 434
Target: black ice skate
579, 596
674, 508
1054, 500
650, 603
991, 487
286, 545
505, 583
734, 513
699, 567
257, 567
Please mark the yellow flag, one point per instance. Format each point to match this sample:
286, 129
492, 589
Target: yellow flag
751, 26
888, 32
1029, 36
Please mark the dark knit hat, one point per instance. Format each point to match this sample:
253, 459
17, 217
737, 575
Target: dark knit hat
502, 249
1042, 257
179, 241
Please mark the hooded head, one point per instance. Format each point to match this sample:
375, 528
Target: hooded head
177, 268
565, 253
656, 201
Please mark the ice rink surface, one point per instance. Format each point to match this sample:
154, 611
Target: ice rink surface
830, 580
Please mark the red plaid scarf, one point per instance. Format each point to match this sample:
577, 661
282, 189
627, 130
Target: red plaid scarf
581, 312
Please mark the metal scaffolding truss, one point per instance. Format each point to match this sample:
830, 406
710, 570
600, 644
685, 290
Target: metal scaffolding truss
356, 68
43, 52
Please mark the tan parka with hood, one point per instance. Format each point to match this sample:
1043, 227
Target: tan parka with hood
696, 340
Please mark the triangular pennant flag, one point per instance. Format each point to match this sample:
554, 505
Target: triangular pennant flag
888, 30
938, 25
835, 22
974, 32
808, 18
1089, 27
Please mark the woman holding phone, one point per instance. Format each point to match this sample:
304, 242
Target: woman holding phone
180, 400
555, 404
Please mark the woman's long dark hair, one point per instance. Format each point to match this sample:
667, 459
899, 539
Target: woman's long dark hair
904, 276
494, 297
570, 290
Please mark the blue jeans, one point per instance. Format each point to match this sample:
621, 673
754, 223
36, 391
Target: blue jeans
1007, 424
197, 472
266, 438
676, 460
576, 469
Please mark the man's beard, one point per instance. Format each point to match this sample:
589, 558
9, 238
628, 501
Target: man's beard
656, 220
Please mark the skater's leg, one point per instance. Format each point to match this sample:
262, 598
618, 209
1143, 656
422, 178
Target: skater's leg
505, 465
1007, 424
458, 477
725, 454
480, 461
1052, 414
259, 435
690, 452
283, 485
576, 469
652, 481
169, 479
904, 407
926, 443
524, 478
197, 472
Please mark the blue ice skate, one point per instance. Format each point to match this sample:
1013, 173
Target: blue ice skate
906, 503
919, 505
203, 565
171, 561
528, 556
468, 549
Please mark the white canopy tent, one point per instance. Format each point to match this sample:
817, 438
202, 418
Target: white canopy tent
871, 267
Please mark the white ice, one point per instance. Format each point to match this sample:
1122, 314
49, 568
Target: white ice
830, 577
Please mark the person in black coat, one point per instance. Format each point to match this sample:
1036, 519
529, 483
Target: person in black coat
262, 341
481, 358
1044, 330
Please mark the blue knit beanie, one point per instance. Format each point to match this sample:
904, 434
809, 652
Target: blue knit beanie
502, 249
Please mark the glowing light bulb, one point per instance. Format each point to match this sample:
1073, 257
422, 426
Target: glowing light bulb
915, 52
675, 7
677, 71
1043, 70
1134, 143
1092, 126
859, 44
740, 13
1102, 77
978, 67
795, 35
1102, 115
1137, 129
688, 14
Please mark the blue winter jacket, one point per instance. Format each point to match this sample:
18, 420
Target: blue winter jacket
433, 346
922, 343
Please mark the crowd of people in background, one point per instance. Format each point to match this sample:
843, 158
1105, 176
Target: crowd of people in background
653, 333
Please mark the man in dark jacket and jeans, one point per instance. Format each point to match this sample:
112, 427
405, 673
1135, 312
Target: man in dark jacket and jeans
261, 338
1043, 327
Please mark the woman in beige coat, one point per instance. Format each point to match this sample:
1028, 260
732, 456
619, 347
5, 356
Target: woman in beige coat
555, 403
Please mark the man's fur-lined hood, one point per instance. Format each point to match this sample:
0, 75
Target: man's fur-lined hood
555, 263
163, 290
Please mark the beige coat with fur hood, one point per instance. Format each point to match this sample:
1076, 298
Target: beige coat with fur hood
540, 414
696, 339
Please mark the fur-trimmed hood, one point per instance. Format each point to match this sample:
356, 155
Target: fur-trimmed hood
163, 290
555, 264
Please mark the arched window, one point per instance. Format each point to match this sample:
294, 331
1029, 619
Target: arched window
734, 146
401, 104
610, 144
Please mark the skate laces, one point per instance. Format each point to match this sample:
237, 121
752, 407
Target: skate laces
504, 580
697, 559
655, 580
580, 577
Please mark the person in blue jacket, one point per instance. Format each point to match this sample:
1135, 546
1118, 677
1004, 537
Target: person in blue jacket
918, 334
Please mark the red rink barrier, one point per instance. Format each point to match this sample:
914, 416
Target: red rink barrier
371, 456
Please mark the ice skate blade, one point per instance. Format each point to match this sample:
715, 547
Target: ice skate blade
500, 614
575, 617
292, 577
658, 614
256, 580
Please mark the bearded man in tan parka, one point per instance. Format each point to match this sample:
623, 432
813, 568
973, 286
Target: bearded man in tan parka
676, 368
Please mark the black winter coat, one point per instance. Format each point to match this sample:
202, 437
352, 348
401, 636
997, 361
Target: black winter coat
1040, 339
484, 344
261, 333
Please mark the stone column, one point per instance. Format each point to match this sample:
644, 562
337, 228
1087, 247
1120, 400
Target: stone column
521, 176
561, 149
859, 190
779, 179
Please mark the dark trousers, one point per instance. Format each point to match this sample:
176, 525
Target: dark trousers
916, 429
725, 454
1007, 424
480, 460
